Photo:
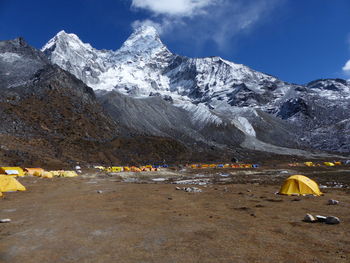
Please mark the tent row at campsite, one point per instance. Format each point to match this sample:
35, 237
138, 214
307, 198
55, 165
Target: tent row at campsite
119, 169
8, 182
203, 166
314, 164
18, 171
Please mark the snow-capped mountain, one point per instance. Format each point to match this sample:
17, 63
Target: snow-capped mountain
214, 91
144, 66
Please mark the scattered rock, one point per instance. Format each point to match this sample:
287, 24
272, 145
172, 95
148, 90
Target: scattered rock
296, 200
193, 181
332, 220
169, 198
333, 202
248, 190
99, 191
190, 189
309, 218
5, 220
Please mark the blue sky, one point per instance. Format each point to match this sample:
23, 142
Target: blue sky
295, 40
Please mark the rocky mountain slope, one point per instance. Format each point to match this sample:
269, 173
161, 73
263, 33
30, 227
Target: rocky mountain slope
49, 117
224, 103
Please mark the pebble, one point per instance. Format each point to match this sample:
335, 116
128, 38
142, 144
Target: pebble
332, 220
309, 218
5, 220
99, 191
333, 202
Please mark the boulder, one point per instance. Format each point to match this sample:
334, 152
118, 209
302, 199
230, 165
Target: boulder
333, 202
332, 220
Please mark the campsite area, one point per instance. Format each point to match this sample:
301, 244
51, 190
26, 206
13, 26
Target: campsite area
141, 217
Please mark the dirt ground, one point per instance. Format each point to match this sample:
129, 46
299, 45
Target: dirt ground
237, 218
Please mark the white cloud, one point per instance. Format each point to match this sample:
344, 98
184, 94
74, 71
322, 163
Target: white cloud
173, 7
346, 67
200, 21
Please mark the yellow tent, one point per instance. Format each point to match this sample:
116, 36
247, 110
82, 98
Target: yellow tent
309, 164
32, 171
9, 183
300, 185
328, 164
46, 174
15, 171
56, 173
68, 174
114, 169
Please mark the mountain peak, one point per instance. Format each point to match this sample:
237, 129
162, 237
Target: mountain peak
63, 38
146, 30
144, 39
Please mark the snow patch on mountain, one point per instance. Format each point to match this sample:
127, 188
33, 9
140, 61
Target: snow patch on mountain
245, 126
10, 57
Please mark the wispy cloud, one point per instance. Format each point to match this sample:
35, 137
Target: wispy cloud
200, 21
173, 7
346, 67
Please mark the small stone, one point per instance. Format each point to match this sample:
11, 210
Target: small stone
99, 191
332, 220
5, 220
177, 188
309, 218
333, 202
169, 198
